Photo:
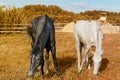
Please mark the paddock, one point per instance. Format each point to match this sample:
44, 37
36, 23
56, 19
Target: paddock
15, 57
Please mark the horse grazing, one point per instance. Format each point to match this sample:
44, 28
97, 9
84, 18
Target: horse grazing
88, 34
43, 36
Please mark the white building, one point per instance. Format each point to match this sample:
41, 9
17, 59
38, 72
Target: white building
103, 18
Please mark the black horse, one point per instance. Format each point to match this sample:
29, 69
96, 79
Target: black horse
43, 36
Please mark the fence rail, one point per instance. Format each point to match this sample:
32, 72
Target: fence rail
22, 28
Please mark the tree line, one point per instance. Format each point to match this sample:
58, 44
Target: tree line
25, 14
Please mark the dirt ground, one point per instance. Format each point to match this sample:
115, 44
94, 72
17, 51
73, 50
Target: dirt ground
15, 59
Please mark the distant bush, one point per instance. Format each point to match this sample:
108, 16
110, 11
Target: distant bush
27, 13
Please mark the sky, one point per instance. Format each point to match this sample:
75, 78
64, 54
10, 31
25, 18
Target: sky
70, 5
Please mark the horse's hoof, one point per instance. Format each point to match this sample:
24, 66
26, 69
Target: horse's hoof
47, 71
41, 73
95, 72
79, 70
31, 74
88, 67
57, 73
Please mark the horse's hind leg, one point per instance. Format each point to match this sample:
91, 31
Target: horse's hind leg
47, 60
87, 62
42, 61
78, 48
53, 50
85, 56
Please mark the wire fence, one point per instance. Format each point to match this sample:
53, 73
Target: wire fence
22, 28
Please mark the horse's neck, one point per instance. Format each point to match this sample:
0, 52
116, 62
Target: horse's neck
99, 40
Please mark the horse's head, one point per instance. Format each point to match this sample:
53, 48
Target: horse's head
97, 58
36, 58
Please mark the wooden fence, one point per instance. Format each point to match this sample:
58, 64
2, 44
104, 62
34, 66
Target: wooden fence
22, 28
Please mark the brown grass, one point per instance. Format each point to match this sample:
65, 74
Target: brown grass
15, 51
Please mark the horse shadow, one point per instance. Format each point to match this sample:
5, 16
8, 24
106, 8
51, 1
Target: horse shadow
65, 63
104, 64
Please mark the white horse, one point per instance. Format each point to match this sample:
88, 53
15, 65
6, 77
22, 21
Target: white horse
88, 34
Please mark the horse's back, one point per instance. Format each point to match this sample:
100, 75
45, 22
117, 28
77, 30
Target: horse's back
48, 31
87, 30
42, 28
84, 26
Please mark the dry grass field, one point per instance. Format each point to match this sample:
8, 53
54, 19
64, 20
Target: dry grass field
15, 60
